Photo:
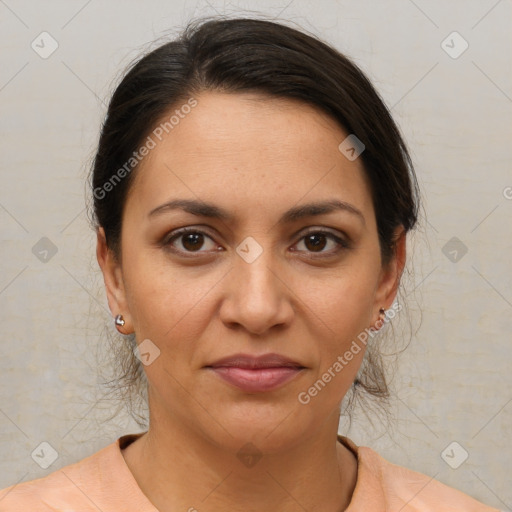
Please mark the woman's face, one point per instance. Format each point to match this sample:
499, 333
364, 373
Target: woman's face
252, 282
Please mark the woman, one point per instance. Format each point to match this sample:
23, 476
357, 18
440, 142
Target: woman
252, 198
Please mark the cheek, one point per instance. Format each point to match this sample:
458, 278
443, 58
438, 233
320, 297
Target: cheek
345, 311
167, 303
342, 302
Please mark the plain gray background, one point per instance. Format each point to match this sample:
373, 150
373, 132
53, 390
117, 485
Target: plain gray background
453, 382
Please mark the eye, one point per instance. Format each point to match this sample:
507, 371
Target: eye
315, 241
192, 240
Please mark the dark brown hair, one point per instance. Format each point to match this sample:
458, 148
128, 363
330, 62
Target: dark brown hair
254, 55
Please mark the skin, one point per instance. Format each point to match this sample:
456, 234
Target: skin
256, 157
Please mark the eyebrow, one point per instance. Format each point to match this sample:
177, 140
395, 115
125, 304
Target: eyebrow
203, 209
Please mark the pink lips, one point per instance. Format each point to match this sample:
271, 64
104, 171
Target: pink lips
256, 374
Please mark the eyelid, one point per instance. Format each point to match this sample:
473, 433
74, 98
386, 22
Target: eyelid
176, 233
342, 240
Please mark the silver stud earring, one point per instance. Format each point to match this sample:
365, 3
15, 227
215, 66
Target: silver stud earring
119, 320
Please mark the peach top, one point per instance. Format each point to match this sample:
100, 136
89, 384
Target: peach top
104, 482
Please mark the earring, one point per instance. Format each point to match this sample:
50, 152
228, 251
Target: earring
382, 315
119, 320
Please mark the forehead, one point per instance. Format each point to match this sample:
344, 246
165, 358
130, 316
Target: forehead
249, 150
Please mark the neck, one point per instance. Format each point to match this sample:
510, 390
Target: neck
179, 469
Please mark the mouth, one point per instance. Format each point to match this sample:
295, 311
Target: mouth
256, 374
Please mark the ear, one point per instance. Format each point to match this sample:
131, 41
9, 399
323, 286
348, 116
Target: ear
391, 273
114, 284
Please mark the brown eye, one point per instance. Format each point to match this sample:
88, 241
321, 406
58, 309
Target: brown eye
317, 241
191, 240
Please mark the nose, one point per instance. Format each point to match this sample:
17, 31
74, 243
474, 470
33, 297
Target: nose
257, 297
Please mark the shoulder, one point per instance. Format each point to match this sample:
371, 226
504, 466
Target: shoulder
73, 484
410, 491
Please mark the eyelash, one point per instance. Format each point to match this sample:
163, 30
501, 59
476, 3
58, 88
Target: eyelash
167, 242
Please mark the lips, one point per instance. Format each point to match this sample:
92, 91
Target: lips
256, 362
256, 374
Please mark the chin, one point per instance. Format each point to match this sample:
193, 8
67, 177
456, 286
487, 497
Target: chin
269, 427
